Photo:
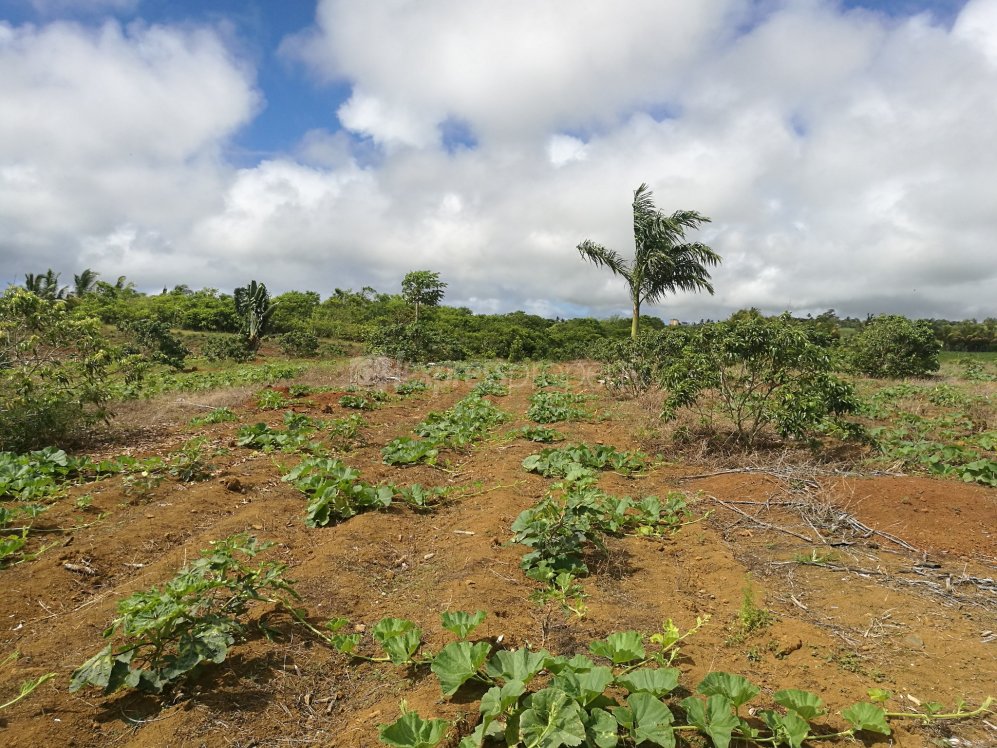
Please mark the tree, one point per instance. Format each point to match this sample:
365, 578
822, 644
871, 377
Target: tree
663, 262
45, 285
85, 283
422, 287
252, 303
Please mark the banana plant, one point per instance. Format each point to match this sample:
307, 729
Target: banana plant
254, 307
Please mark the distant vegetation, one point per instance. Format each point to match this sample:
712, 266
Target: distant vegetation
63, 344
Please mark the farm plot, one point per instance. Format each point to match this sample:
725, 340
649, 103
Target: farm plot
338, 546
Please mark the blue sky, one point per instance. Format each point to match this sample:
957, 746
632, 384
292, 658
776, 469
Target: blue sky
842, 149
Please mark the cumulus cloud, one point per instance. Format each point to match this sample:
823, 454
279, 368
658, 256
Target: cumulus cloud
845, 157
111, 127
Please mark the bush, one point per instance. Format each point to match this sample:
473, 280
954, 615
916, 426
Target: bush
892, 346
634, 366
222, 347
154, 341
753, 373
416, 341
53, 372
300, 343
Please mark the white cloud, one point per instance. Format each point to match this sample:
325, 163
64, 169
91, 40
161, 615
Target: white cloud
562, 149
512, 69
109, 127
977, 24
846, 158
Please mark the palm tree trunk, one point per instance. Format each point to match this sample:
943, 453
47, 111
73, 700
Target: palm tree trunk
635, 324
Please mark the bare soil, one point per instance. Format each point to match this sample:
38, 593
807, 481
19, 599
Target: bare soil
872, 581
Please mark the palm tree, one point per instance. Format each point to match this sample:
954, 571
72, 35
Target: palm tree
45, 285
663, 262
85, 283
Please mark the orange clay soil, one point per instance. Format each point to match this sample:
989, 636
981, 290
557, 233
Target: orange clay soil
898, 599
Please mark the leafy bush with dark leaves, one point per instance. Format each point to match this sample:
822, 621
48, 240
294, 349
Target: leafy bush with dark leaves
54, 372
892, 346
751, 374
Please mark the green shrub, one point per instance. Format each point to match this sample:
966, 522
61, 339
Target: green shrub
418, 342
891, 346
633, 366
53, 372
299, 343
226, 347
750, 373
154, 341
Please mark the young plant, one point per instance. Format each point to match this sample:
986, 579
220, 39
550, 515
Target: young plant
189, 464
335, 491
218, 415
271, 400
553, 407
163, 634
296, 436
356, 402
539, 434
576, 458
408, 451
412, 387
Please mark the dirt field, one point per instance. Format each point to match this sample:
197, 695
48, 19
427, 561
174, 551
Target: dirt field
872, 581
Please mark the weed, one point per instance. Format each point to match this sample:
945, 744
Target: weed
750, 618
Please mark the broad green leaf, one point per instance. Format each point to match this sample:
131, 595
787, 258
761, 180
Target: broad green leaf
735, 687
789, 729
94, 672
461, 623
516, 664
534, 464
714, 717
412, 731
551, 720
473, 740
655, 681
346, 643
584, 687
869, 717
808, 705
600, 729
457, 663
399, 638
652, 720
498, 699
620, 648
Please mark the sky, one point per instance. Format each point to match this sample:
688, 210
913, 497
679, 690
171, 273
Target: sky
845, 150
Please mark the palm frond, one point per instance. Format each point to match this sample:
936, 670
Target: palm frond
604, 257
